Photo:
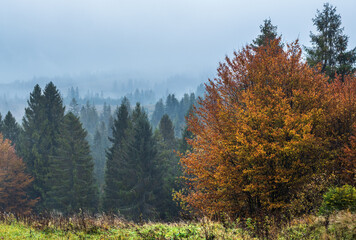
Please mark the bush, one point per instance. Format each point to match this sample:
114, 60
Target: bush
339, 198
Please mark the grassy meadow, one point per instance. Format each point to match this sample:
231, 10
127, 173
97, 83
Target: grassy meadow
342, 225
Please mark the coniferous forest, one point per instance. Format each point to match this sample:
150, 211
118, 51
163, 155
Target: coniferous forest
265, 150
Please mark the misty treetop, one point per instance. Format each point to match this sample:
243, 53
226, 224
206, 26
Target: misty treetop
175, 109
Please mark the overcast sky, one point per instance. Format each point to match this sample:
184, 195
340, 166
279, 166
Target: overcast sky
153, 38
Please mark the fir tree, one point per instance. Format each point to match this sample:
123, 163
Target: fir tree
90, 119
166, 129
116, 159
98, 152
268, 33
39, 141
142, 187
186, 134
72, 170
172, 106
74, 107
133, 179
11, 129
330, 44
157, 113
106, 114
54, 114
167, 162
31, 137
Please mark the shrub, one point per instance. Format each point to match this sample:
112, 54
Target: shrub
339, 198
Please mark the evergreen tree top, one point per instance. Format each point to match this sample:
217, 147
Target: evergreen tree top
121, 123
268, 33
166, 129
329, 44
9, 119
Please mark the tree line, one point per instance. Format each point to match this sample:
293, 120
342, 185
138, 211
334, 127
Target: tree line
79, 160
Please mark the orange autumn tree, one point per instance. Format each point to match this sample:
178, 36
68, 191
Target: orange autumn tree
348, 161
259, 134
13, 181
341, 126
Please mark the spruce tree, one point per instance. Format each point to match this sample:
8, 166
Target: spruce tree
142, 186
11, 129
98, 153
166, 129
90, 119
186, 134
133, 179
29, 147
116, 164
268, 33
167, 162
329, 45
157, 113
39, 141
172, 106
106, 114
73, 186
74, 107
54, 114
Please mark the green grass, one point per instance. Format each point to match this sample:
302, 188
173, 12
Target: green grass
17, 230
147, 231
342, 226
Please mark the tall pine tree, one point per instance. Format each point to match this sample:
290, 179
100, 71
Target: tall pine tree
30, 140
98, 152
117, 161
133, 179
157, 113
167, 162
166, 129
330, 44
39, 141
10, 128
73, 186
143, 185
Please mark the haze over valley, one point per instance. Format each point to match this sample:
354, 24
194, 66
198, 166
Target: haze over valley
111, 48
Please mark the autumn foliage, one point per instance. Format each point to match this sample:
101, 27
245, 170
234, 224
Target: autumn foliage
262, 133
348, 161
13, 181
342, 129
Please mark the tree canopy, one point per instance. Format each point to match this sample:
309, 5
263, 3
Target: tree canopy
330, 44
257, 134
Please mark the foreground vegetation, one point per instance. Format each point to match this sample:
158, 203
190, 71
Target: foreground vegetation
342, 225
